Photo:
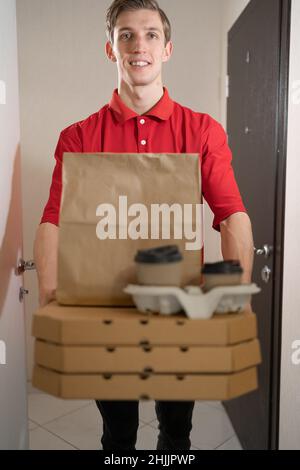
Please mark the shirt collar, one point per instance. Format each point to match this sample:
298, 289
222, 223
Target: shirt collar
162, 110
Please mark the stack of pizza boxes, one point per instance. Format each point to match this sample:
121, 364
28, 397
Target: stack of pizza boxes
115, 352
120, 354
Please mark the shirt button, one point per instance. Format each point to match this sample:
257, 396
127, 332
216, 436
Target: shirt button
143, 142
142, 121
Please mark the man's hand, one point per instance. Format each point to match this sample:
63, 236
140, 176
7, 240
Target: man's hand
45, 297
45, 257
248, 308
237, 244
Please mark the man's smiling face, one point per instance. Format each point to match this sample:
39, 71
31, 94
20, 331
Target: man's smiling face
139, 47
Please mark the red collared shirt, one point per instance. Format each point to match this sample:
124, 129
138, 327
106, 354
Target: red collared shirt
166, 128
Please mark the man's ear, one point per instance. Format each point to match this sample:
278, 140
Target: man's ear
168, 51
109, 52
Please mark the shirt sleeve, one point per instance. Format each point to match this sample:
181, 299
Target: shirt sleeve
219, 186
69, 141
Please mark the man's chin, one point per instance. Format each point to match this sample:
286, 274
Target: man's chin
142, 81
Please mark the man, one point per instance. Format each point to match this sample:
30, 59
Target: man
141, 117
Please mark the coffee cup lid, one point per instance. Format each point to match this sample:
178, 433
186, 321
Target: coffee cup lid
160, 255
223, 267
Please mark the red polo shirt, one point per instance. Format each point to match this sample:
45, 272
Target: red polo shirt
166, 128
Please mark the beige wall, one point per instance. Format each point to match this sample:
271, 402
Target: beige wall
231, 11
289, 431
65, 76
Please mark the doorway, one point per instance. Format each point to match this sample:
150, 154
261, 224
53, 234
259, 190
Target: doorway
258, 61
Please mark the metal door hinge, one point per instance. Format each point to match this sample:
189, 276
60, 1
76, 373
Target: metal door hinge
22, 293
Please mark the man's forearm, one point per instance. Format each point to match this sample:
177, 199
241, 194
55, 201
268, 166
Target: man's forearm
45, 257
237, 242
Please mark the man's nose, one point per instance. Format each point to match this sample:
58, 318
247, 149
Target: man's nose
139, 44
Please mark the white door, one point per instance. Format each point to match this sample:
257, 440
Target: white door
13, 402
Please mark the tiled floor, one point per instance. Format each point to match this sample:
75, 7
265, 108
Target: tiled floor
69, 424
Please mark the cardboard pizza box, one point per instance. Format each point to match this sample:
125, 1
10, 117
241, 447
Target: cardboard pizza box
122, 326
154, 359
170, 387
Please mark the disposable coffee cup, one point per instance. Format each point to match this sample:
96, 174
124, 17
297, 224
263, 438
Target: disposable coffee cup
160, 266
224, 273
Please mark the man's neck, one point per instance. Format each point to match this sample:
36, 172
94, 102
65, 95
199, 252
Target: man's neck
140, 99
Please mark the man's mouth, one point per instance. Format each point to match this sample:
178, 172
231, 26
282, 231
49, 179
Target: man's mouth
139, 63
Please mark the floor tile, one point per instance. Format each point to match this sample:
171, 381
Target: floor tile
147, 411
211, 427
214, 404
82, 428
40, 439
202, 447
32, 425
231, 444
43, 408
31, 389
154, 424
147, 438
78, 424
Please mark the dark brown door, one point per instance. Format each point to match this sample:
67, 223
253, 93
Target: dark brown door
256, 123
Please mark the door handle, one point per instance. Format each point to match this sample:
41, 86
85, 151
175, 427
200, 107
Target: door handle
24, 266
265, 251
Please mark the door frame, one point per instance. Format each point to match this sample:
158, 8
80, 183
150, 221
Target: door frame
282, 128
278, 254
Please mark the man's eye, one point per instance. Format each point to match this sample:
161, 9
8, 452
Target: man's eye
125, 36
153, 35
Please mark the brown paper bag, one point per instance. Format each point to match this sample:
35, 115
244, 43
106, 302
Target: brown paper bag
102, 228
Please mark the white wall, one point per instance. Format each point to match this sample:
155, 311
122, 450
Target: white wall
290, 372
13, 406
65, 76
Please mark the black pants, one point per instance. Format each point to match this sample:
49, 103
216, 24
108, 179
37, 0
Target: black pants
121, 421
